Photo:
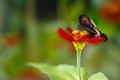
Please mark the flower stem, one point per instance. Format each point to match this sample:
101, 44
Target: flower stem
79, 64
79, 47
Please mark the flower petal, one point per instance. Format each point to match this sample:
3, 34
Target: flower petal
95, 39
69, 30
65, 35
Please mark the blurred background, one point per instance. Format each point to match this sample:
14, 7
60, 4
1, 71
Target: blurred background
28, 33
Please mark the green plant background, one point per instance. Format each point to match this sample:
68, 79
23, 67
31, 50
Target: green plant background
37, 22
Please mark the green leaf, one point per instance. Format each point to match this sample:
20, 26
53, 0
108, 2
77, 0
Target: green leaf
51, 71
98, 76
70, 70
60, 72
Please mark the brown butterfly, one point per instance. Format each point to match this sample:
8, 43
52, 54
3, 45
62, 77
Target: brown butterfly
87, 24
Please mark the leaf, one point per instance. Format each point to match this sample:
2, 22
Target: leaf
60, 72
51, 71
98, 76
69, 70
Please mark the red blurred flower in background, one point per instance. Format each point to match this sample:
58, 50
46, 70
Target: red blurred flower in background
80, 36
31, 74
111, 11
11, 39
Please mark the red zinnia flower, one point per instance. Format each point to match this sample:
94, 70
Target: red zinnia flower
80, 36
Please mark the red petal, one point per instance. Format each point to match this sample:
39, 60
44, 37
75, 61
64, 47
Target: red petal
95, 39
65, 35
69, 30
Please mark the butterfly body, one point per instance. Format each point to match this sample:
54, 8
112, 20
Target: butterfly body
90, 30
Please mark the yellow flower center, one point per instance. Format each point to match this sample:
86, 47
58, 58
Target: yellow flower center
75, 32
83, 33
79, 34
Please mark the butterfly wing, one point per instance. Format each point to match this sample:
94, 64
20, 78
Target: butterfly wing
88, 24
85, 21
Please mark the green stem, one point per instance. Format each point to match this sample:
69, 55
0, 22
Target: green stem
79, 47
79, 64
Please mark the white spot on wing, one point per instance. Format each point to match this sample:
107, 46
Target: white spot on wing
92, 22
95, 28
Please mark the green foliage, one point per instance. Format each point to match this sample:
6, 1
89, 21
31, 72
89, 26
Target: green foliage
65, 72
98, 76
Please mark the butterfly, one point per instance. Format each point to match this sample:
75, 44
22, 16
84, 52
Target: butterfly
87, 24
